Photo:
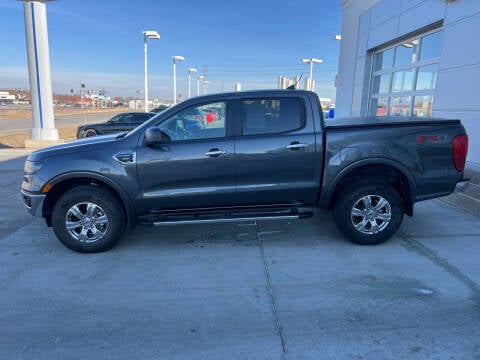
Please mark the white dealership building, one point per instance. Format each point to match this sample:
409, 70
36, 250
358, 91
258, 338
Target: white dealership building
414, 58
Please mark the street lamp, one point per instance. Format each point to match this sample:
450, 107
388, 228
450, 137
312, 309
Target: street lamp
201, 77
150, 34
175, 59
191, 70
311, 61
205, 82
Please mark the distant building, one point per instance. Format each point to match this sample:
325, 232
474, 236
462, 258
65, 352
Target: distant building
6, 97
412, 57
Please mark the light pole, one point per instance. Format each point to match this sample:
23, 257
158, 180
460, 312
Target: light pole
201, 77
175, 59
205, 82
311, 61
191, 70
150, 34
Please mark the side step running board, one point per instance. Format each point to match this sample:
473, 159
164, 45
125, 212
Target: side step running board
224, 220
206, 216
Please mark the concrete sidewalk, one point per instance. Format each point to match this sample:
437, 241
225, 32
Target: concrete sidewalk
470, 199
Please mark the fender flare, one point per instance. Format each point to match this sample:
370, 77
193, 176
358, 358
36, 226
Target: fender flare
124, 198
328, 193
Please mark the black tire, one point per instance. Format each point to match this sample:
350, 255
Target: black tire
368, 224
95, 216
89, 133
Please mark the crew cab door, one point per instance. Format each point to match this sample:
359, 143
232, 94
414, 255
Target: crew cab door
275, 151
194, 169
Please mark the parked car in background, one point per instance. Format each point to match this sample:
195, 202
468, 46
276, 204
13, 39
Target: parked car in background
211, 115
120, 122
193, 119
160, 108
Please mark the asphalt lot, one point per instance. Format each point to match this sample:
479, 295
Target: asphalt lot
266, 290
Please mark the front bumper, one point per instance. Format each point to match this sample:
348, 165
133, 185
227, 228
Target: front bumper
462, 185
34, 203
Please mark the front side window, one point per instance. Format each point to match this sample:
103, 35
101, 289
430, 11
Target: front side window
115, 119
404, 77
207, 121
126, 119
268, 116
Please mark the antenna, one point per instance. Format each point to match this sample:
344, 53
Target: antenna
294, 86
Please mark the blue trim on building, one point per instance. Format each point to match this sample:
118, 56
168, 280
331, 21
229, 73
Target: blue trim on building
36, 66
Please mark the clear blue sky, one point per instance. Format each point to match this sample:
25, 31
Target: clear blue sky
252, 42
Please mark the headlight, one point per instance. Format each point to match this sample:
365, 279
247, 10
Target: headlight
32, 167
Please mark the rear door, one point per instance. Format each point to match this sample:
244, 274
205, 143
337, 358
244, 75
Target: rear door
275, 150
195, 169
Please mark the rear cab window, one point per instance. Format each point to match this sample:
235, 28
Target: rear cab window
272, 115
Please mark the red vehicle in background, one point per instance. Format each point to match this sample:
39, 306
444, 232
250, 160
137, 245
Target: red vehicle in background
211, 115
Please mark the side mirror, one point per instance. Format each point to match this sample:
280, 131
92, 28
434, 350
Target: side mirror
154, 135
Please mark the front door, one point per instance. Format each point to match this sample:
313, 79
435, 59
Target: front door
195, 169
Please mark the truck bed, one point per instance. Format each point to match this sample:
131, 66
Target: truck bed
370, 121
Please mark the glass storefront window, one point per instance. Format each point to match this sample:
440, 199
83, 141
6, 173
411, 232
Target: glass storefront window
405, 54
383, 60
402, 81
422, 106
431, 46
404, 77
381, 84
400, 106
378, 107
427, 77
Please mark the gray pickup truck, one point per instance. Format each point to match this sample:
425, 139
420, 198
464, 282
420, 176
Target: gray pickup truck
243, 156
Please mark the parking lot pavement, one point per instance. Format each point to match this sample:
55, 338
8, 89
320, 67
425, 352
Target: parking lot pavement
12, 211
267, 290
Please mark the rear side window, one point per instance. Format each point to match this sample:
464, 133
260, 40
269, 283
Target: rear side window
139, 118
273, 115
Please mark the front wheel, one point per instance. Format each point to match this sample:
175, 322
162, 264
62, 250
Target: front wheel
88, 219
89, 133
368, 213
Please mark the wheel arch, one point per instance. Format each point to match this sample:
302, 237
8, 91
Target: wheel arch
381, 169
90, 128
65, 182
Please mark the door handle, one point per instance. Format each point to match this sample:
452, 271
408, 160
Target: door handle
215, 153
296, 146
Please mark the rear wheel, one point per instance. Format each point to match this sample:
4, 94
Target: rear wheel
88, 219
368, 213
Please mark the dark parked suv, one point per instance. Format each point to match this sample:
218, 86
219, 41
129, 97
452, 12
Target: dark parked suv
119, 123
